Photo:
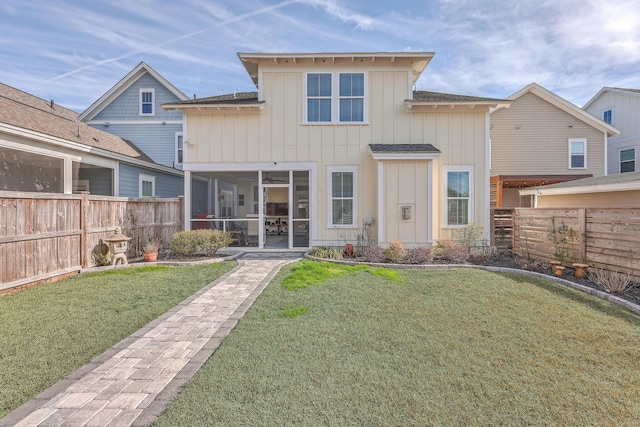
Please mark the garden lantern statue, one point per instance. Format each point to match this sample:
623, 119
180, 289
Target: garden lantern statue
118, 245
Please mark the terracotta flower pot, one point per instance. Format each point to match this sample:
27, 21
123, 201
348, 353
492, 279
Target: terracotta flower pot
559, 270
151, 257
580, 270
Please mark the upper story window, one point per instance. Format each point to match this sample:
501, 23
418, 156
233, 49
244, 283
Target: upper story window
577, 154
607, 116
628, 160
179, 148
147, 102
335, 98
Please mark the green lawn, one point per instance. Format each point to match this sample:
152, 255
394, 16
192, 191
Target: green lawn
50, 330
443, 347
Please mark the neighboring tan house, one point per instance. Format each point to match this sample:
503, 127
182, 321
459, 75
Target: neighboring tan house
613, 191
45, 148
620, 108
543, 139
337, 148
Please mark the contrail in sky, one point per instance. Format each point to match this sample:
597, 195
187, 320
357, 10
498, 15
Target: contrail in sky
195, 33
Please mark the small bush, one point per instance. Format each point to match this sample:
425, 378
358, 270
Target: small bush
395, 252
456, 254
417, 256
469, 235
326, 252
199, 242
374, 254
610, 281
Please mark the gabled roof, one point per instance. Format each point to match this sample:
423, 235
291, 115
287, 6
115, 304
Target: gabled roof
619, 182
232, 100
21, 112
632, 92
435, 99
566, 106
140, 70
419, 60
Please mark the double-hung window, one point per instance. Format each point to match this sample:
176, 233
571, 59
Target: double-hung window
342, 184
459, 185
179, 148
147, 185
628, 160
147, 102
577, 154
335, 98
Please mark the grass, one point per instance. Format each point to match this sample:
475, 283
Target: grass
444, 347
50, 330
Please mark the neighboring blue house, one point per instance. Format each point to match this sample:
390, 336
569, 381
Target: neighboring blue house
45, 148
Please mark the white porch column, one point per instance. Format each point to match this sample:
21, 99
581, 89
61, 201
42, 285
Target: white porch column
187, 200
380, 214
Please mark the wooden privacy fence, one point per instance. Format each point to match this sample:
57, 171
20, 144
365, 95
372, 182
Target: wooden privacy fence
602, 237
502, 229
48, 235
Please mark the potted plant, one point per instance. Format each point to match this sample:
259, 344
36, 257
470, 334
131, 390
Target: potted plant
150, 251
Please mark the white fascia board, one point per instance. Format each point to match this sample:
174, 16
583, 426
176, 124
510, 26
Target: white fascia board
598, 188
244, 167
134, 122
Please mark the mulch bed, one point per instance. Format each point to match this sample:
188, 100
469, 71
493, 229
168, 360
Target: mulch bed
513, 261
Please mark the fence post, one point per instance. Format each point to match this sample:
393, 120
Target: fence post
84, 224
582, 226
181, 213
512, 212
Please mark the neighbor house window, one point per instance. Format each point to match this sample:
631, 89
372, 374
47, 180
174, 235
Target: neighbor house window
147, 102
179, 148
458, 181
147, 185
577, 153
607, 117
335, 97
628, 160
342, 183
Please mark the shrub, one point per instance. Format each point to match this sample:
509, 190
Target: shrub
395, 252
610, 281
469, 235
417, 256
199, 242
326, 252
374, 254
456, 254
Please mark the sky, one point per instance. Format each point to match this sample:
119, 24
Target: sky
75, 51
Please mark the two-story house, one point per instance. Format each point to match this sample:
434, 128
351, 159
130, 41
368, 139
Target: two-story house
543, 139
620, 108
338, 147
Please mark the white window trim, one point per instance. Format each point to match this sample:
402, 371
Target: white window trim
635, 163
330, 170
148, 178
335, 98
153, 101
178, 135
584, 141
445, 215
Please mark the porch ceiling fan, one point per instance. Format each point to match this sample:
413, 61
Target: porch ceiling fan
270, 180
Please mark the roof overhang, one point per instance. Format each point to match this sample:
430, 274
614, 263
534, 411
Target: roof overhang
593, 188
254, 106
404, 152
470, 105
419, 60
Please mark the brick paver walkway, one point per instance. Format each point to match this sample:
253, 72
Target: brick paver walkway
133, 382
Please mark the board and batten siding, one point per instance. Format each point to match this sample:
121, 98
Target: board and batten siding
539, 146
279, 134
